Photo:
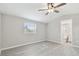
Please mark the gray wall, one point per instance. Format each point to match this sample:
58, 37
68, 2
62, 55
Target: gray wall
13, 33
0, 34
54, 28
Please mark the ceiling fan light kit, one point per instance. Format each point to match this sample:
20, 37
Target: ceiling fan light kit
52, 8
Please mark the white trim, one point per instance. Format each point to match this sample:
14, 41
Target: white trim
33, 43
55, 41
61, 43
20, 45
69, 22
75, 46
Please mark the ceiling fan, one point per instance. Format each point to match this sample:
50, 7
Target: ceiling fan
52, 8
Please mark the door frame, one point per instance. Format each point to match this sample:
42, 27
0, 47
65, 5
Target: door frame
69, 22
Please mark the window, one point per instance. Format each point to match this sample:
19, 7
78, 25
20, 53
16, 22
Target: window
29, 27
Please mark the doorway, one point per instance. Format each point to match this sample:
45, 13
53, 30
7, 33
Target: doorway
66, 31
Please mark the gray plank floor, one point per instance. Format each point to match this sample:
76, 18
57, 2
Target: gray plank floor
44, 48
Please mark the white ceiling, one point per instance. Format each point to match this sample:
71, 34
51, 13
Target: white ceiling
30, 10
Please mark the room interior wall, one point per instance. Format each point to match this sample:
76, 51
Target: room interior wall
0, 34
13, 32
54, 30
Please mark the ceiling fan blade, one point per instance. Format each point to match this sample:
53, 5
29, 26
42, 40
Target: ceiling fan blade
56, 11
60, 5
42, 9
47, 13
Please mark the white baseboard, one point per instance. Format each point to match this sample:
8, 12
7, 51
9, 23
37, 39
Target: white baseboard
33, 43
20, 45
55, 41
61, 43
75, 46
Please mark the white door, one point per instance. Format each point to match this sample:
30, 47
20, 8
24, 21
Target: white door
66, 31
